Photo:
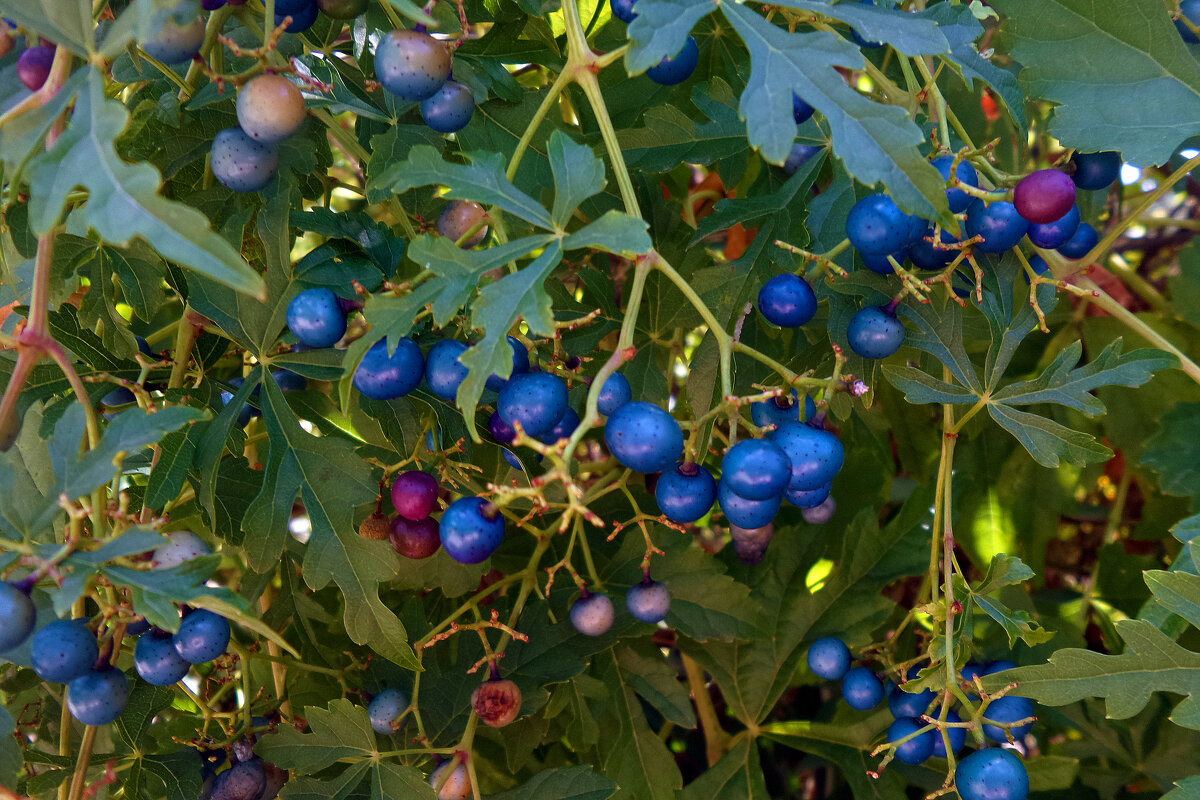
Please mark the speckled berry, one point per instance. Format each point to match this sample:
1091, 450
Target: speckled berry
877, 226
414, 539
958, 199
756, 469
98, 697
242, 164
992, 774
615, 393
563, 428
383, 377
1081, 242
677, 68
301, 20
501, 431
202, 636
177, 35
648, 601
778, 410
958, 737
787, 301
457, 219
411, 65
1057, 233
593, 614
861, 689
916, 750
471, 530
449, 109
520, 365
816, 455
537, 400
644, 437
156, 659
270, 108
875, 332
821, 513
685, 493
829, 658
744, 512
316, 318
414, 494
1004, 710
999, 224
182, 547
443, 370
1044, 196
385, 708
496, 702
807, 498
243, 781
33, 66
17, 616
64, 650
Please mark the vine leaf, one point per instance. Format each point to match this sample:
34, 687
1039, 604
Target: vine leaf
1177, 472
660, 29
1179, 592
1147, 72
1005, 570
737, 775
578, 175
846, 742
1187, 529
123, 201
1185, 789
565, 783
876, 142
65, 22
909, 33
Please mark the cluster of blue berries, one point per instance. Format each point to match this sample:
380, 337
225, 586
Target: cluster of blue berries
416, 68
248, 777
269, 108
671, 70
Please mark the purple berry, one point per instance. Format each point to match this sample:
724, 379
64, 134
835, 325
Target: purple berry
1044, 196
593, 614
411, 64
33, 66
648, 601
414, 494
414, 539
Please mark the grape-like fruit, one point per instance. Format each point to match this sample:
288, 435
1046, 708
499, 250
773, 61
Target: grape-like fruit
820, 513
829, 658
916, 750
909, 704
750, 544
537, 400
385, 708
648, 601
678, 68
1057, 233
787, 301
98, 697
799, 156
861, 689
1044, 196
563, 428
64, 650
958, 737
1009, 708
411, 64
383, 377
316, 317
744, 512
685, 493
443, 369
33, 66
756, 469
496, 702
471, 530
1098, 170
202, 636
501, 431
801, 111
1000, 225
808, 498
270, 108
459, 217
17, 616
593, 614
924, 255
1003, 665
177, 36
414, 538
784, 408
875, 332
342, 9
877, 226
520, 365
958, 199
992, 774
1081, 242
242, 164
615, 393
816, 455
156, 659
243, 781
182, 547
882, 264
457, 785
414, 494
302, 19
276, 777
449, 109
623, 10
644, 437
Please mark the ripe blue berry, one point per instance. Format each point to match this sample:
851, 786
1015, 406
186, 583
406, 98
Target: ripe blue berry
290, 381
471, 530
882, 264
829, 658
449, 109
861, 689
906, 704
1000, 225
799, 156
1081, 243
33, 66
678, 68
623, 10
801, 111
1057, 233
175, 40
778, 410
242, 164
958, 199
924, 255
1009, 708
563, 428
302, 19
383, 377
756, 469
385, 708
876, 226
750, 544
98, 697
64, 650
816, 454
457, 219
270, 108
411, 65
787, 301
916, 750
156, 659
537, 400
992, 774
182, 547
501, 431
820, 513
202, 636
644, 437
593, 614
808, 498
686, 493
443, 370
1044, 196
875, 332
520, 363
742, 511
648, 601
615, 393
1098, 170
998, 666
242, 781
316, 317
958, 737
17, 615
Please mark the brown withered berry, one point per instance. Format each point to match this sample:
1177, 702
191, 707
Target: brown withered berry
497, 702
374, 527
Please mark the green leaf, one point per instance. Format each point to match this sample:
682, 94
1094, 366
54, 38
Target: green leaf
877, 143
1185, 789
11, 759
123, 200
1177, 591
1046, 440
753, 211
413, 12
64, 22
1178, 473
564, 783
179, 771
1186, 530
908, 33
578, 175
737, 776
847, 745
341, 730
1151, 663
1147, 72
1005, 570
921, 387
615, 232
657, 681
145, 701
660, 29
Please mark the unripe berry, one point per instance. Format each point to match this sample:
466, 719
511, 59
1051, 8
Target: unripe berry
33, 66
270, 108
411, 65
497, 702
457, 784
593, 614
750, 544
460, 216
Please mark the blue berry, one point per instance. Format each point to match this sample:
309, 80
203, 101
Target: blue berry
1098, 170
443, 369
992, 774
472, 529
174, 41
958, 737
1055, 234
861, 689
64, 650
742, 511
1191, 10
137, 627
593, 614
875, 332
799, 156
156, 659
623, 10
756, 469
816, 455
998, 666
520, 364
787, 301
202, 636
925, 256
290, 381
778, 410
242, 781
916, 750
501, 431
1009, 708
801, 111
877, 226
882, 263
98, 697
449, 109
829, 658
383, 377
17, 615
1081, 243
686, 493
242, 164
648, 601
999, 223
411, 65
909, 704
958, 199
678, 68
302, 20
563, 428
808, 498
615, 393
291, 6
537, 400
316, 317
385, 708
644, 437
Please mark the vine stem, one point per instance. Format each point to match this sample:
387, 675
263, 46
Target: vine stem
716, 740
81, 764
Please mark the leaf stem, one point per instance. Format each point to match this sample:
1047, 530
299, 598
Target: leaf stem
81, 763
716, 739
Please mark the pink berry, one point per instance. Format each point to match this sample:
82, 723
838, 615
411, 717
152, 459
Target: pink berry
1044, 196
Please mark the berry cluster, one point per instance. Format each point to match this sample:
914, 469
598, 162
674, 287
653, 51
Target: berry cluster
270, 108
671, 70
416, 68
